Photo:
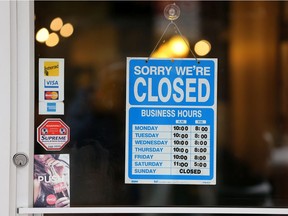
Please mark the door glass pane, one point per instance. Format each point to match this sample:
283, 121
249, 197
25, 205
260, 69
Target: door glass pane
91, 42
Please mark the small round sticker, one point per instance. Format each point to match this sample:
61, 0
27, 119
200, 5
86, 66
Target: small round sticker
51, 199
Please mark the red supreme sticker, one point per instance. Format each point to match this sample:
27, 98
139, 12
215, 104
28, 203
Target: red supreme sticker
53, 134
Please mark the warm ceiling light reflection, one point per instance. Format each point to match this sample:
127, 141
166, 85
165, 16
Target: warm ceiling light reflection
202, 47
178, 46
175, 48
160, 55
42, 35
53, 40
163, 52
56, 24
67, 30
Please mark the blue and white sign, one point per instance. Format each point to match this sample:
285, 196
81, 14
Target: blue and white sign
171, 121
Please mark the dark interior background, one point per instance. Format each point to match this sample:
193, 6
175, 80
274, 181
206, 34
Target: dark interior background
251, 43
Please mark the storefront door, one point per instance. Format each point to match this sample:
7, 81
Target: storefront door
67, 112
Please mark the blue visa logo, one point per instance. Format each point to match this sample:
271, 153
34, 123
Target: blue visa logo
51, 107
51, 84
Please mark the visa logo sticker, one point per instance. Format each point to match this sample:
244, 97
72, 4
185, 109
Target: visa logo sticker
51, 84
51, 68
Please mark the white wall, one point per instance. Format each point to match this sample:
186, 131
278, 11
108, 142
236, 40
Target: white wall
5, 107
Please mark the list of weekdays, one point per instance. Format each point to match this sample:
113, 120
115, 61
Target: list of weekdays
171, 121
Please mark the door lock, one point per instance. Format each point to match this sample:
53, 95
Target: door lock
20, 159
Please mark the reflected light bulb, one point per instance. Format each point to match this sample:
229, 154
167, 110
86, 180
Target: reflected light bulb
163, 52
202, 47
56, 24
53, 40
42, 35
67, 30
178, 46
160, 55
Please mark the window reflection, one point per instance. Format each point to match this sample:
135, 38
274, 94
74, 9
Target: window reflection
249, 39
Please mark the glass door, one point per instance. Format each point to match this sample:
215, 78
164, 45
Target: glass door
77, 91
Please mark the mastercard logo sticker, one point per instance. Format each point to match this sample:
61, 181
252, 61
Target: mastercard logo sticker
51, 95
